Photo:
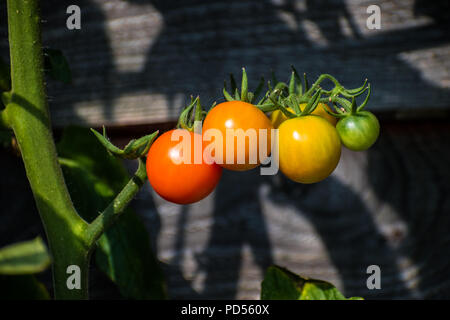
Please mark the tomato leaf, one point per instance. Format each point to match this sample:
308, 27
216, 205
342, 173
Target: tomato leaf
22, 287
24, 258
124, 253
281, 284
56, 65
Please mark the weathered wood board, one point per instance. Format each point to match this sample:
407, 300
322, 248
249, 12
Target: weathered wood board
388, 207
138, 61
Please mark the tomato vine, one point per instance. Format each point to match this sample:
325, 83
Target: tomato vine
72, 239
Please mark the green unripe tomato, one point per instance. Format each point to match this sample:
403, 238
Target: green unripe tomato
359, 131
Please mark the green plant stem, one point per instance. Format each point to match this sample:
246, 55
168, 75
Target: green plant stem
117, 206
28, 115
4, 123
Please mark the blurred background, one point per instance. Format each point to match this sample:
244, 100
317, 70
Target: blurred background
134, 66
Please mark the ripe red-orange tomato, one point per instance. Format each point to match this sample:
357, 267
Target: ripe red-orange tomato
175, 180
238, 115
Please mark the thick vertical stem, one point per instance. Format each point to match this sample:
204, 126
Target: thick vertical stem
28, 115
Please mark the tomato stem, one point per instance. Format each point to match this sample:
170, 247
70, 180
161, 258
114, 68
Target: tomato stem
112, 212
28, 115
4, 122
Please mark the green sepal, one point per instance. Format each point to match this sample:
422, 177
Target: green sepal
339, 114
267, 107
189, 117
347, 105
292, 83
296, 104
356, 91
236, 95
184, 121
244, 94
244, 86
312, 103
305, 79
264, 99
250, 96
366, 100
280, 106
353, 107
133, 150
227, 96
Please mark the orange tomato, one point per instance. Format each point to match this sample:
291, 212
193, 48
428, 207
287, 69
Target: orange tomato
175, 180
244, 118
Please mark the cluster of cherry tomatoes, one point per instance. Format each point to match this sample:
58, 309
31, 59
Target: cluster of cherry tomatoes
310, 134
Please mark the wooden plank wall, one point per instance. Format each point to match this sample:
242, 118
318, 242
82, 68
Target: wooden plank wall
136, 62
388, 206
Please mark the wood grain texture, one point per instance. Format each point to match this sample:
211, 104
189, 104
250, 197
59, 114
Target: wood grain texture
388, 206
138, 61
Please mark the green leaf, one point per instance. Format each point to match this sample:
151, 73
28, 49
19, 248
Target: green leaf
57, 66
320, 290
124, 253
281, 284
22, 287
129, 261
24, 258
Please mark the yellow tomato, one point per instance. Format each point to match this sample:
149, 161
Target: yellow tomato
309, 148
278, 116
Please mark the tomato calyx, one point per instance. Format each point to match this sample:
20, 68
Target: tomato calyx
245, 95
136, 148
358, 129
288, 97
345, 108
192, 116
292, 102
188, 117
